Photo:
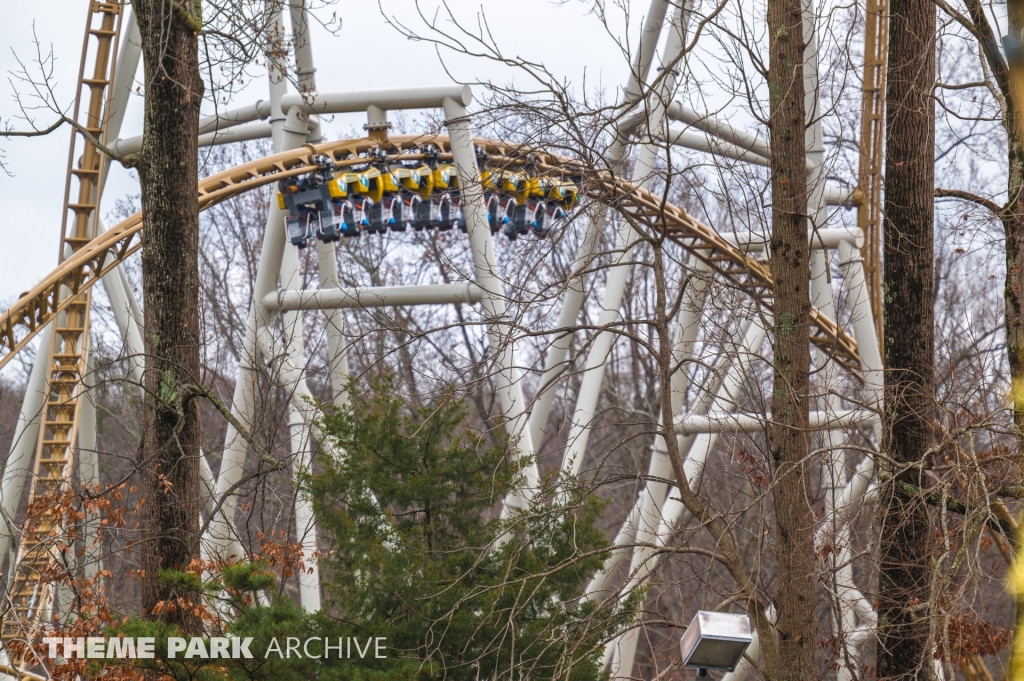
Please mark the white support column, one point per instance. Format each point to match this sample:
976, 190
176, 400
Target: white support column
219, 541
133, 303
851, 599
89, 473
694, 450
277, 72
858, 615
863, 321
209, 488
299, 395
753, 335
128, 317
131, 335
337, 346
648, 504
575, 294
593, 377
641, 66
299, 129
305, 523
507, 381
601, 346
127, 66
305, 71
597, 589
572, 303
20, 461
326, 254
309, 576
121, 298
834, 480
652, 496
814, 132
745, 668
337, 350
648, 508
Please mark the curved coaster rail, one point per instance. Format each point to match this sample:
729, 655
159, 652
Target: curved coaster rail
64, 295
20, 323
54, 456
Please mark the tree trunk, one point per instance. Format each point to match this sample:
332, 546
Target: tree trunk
1013, 225
1007, 77
789, 438
168, 172
904, 650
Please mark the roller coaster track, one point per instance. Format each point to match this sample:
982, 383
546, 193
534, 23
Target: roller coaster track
81, 271
872, 124
63, 298
29, 595
64, 295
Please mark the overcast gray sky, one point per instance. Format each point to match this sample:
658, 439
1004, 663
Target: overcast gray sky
366, 54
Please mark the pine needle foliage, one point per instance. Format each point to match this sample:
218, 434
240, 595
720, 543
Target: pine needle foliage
419, 554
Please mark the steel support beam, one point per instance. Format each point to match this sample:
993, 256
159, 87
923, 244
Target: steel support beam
575, 294
654, 529
754, 144
825, 238
18, 467
485, 265
693, 424
324, 103
89, 476
585, 410
374, 296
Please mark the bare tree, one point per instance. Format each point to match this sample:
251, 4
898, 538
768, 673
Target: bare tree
753, 501
789, 437
905, 636
168, 168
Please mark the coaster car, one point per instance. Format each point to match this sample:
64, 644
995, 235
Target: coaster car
425, 195
309, 200
500, 211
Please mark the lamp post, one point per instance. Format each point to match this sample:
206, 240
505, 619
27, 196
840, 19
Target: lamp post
715, 640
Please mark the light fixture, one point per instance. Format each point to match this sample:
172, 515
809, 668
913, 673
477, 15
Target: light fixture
715, 640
